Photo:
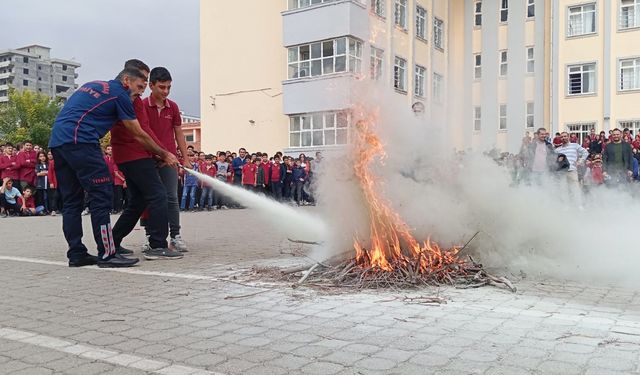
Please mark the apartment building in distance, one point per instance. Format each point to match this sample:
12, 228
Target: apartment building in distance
485, 72
33, 68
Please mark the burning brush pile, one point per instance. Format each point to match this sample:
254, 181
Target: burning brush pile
391, 257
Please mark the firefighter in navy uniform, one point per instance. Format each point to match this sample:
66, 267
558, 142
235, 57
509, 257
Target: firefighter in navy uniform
75, 143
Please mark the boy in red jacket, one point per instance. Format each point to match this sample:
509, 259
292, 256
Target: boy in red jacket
52, 191
29, 203
249, 175
9, 167
27, 159
210, 170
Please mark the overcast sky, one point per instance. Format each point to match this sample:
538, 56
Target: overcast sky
102, 35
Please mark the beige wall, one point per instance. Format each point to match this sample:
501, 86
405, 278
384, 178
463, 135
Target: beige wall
624, 44
241, 57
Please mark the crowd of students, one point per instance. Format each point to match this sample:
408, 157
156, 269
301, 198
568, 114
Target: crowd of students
283, 178
29, 184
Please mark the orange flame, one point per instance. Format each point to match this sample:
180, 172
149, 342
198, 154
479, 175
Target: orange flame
391, 241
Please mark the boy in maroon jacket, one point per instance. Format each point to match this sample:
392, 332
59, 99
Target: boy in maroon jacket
27, 159
210, 170
9, 167
249, 175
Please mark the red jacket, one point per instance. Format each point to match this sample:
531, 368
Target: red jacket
231, 175
9, 167
27, 162
209, 171
29, 202
51, 174
276, 173
249, 171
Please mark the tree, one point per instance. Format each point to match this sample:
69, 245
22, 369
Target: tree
28, 116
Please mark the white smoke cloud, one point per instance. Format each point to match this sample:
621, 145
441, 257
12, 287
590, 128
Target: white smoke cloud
534, 229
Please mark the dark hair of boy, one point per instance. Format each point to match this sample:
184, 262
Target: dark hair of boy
136, 64
222, 153
208, 157
159, 74
28, 188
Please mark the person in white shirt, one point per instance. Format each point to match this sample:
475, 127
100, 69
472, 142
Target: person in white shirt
576, 156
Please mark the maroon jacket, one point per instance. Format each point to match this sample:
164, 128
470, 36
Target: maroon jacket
51, 174
27, 161
9, 167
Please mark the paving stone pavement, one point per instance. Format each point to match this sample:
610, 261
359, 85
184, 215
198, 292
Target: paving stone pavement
191, 316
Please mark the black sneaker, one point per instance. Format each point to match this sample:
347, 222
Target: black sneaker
123, 251
87, 260
154, 254
117, 261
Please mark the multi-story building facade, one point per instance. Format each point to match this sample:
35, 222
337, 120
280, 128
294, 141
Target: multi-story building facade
192, 131
486, 71
32, 68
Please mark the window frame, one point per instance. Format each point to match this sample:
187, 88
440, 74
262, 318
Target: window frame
477, 14
400, 13
583, 130
503, 64
531, 4
530, 115
310, 3
582, 13
635, 6
504, 11
352, 62
376, 63
438, 33
477, 66
636, 74
419, 81
378, 8
477, 118
502, 117
582, 72
397, 69
632, 124
437, 88
421, 18
531, 60
334, 126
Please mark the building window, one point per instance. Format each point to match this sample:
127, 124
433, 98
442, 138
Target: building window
377, 6
531, 8
325, 57
295, 4
400, 13
25, 83
438, 87
582, 79
64, 78
318, 129
477, 118
25, 71
503, 117
632, 125
376, 63
25, 60
421, 23
400, 74
419, 81
64, 67
504, 10
531, 63
438, 33
530, 115
189, 137
582, 20
504, 67
477, 19
477, 70
629, 14
581, 129
629, 74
